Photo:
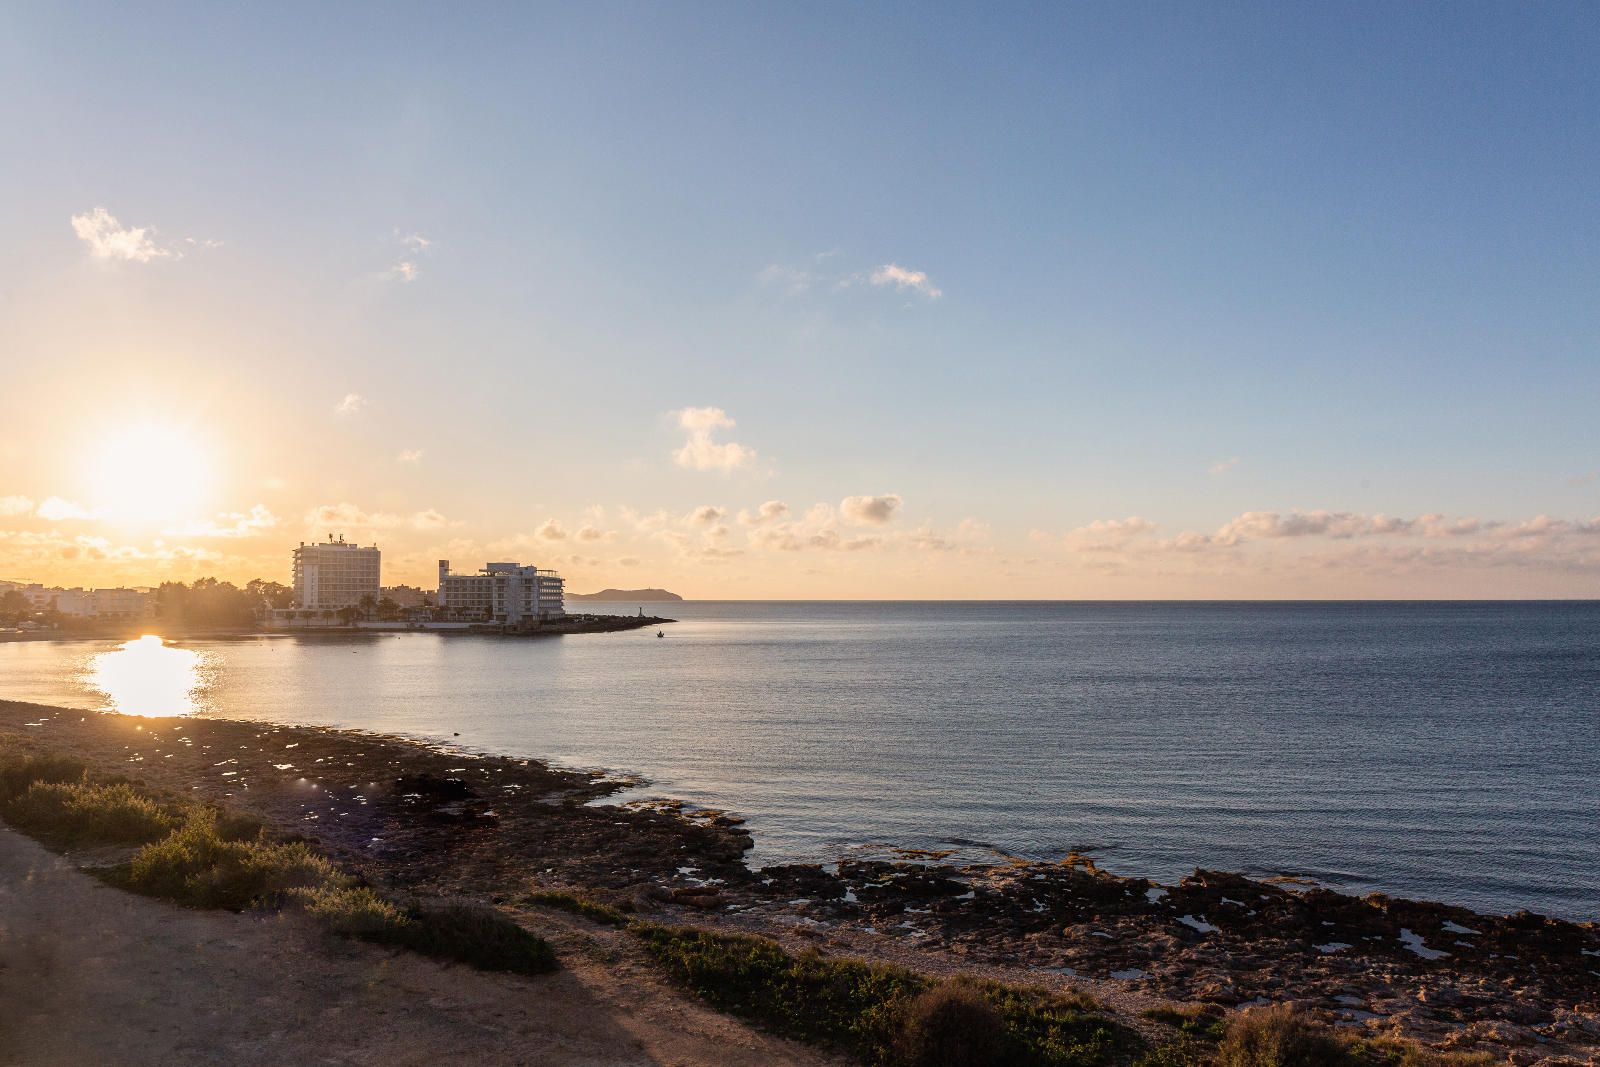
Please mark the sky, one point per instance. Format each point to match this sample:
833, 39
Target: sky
807, 301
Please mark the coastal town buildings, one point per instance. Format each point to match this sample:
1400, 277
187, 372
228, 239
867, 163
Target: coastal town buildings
334, 574
406, 596
502, 593
82, 603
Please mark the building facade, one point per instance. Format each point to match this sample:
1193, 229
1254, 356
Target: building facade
92, 603
503, 593
335, 574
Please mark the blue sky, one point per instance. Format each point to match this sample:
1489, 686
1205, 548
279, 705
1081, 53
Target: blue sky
1151, 262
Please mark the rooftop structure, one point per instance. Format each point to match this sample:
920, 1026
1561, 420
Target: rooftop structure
335, 574
502, 592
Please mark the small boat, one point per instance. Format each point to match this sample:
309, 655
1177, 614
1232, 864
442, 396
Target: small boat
661, 633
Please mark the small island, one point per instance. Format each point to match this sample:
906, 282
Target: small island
640, 595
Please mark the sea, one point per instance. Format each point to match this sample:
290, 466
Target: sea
1445, 751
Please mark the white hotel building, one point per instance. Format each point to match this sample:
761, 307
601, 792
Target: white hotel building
335, 574
502, 592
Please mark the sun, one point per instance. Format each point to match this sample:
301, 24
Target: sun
150, 473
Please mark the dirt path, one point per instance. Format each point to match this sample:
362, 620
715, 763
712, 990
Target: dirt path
91, 974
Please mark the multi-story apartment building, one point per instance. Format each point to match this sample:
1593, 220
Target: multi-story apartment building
92, 603
502, 592
335, 574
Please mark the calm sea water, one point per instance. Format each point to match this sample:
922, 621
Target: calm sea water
1445, 751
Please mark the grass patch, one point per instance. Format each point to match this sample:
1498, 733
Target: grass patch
571, 902
874, 1010
1192, 1020
84, 813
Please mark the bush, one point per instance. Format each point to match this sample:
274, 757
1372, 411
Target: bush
950, 1025
577, 905
17, 773
80, 813
351, 911
474, 934
1279, 1036
863, 1007
200, 865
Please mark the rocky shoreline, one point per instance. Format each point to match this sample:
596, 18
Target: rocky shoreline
417, 817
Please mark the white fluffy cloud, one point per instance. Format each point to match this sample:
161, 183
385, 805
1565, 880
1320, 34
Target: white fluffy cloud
870, 510
701, 451
55, 509
109, 239
771, 511
15, 505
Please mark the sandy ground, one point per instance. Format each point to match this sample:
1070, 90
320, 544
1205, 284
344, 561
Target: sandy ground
94, 975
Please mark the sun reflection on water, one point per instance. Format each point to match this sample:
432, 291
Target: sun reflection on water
148, 677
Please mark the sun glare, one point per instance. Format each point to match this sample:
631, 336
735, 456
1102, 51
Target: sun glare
151, 473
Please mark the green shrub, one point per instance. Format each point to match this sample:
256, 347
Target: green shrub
17, 773
350, 911
589, 909
1280, 1036
199, 865
81, 813
950, 1025
862, 1007
474, 934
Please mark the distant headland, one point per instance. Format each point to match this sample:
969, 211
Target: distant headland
643, 595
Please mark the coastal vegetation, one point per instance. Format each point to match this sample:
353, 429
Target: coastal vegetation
884, 1015
202, 857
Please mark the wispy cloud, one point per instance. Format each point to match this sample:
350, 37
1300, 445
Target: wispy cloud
904, 279
229, 524
409, 268
412, 456
346, 516
551, 530
351, 404
701, 451
771, 511
1223, 466
15, 505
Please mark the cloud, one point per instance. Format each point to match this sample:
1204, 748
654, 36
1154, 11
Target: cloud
628, 561
1579, 480
416, 242
109, 239
589, 532
551, 530
347, 516
410, 455
351, 404
230, 524
1262, 525
15, 505
55, 509
706, 515
701, 451
771, 511
870, 510
902, 279
1108, 534
792, 280
404, 271
1223, 466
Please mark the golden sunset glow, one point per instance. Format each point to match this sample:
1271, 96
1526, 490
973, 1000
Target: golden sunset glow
150, 473
147, 676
